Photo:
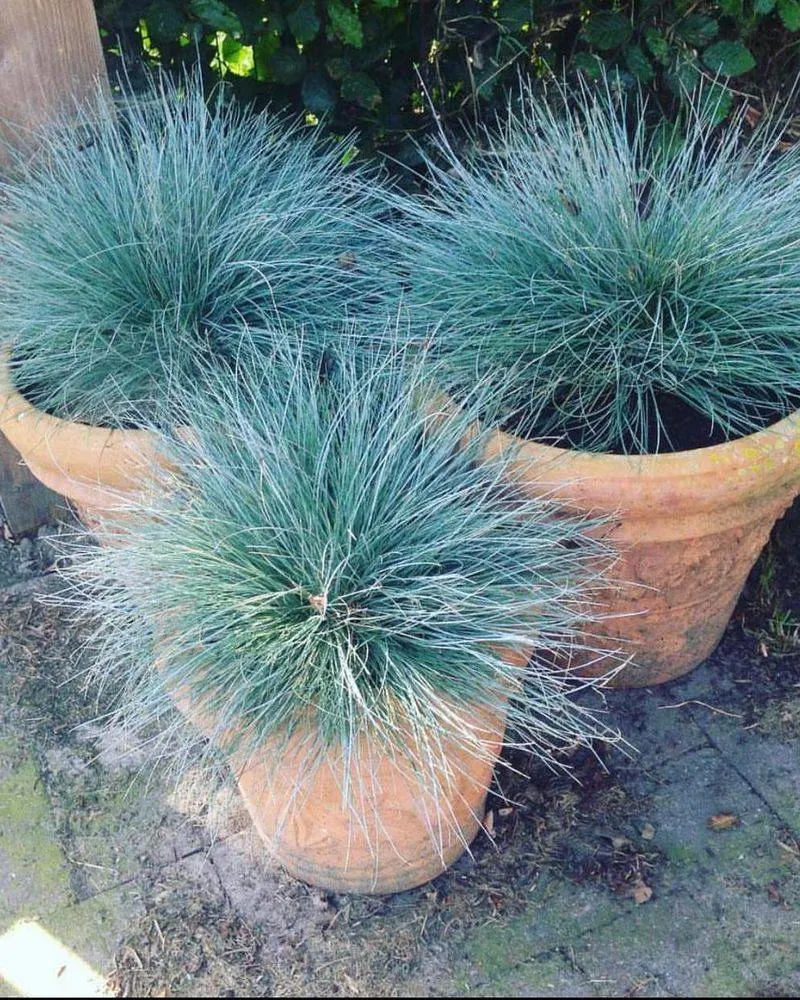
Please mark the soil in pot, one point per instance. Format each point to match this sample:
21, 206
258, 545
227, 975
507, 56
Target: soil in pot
683, 428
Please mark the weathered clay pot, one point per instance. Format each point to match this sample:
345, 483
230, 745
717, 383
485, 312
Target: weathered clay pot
94, 467
398, 828
689, 527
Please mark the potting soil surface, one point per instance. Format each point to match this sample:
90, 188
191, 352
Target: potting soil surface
671, 872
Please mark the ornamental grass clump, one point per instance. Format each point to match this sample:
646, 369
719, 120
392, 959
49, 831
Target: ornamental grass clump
136, 244
333, 562
625, 288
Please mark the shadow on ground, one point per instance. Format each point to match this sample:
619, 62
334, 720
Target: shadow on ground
675, 872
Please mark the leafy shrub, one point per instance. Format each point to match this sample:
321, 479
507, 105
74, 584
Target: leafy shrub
138, 246
358, 60
624, 290
334, 561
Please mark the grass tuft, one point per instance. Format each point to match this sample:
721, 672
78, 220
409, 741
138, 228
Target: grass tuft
335, 563
624, 289
138, 242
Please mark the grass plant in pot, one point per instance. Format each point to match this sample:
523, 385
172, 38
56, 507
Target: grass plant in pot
344, 600
634, 297
134, 247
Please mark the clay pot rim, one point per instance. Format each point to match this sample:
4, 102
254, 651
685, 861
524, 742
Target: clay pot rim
15, 407
95, 467
785, 429
705, 478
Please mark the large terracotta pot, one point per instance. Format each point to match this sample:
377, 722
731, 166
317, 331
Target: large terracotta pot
94, 467
688, 526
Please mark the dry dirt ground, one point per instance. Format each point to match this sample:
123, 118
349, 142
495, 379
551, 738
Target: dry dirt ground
675, 872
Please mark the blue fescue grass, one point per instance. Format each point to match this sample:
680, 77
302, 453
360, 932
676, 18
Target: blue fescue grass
334, 560
137, 242
602, 274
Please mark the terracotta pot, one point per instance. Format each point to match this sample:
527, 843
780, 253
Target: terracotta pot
399, 829
400, 826
689, 527
94, 467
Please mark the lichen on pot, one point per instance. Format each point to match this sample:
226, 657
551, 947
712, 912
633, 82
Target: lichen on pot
633, 296
341, 598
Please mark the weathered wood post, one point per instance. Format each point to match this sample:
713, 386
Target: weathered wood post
50, 59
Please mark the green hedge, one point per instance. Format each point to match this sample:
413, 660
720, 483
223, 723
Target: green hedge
363, 62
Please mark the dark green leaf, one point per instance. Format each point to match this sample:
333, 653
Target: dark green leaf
620, 80
589, 63
658, 45
729, 58
251, 15
789, 13
666, 141
319, 93
714, 103
287, 65
371, 54
607, 29
303, 21
338, 67
215, 14
358, 88
514, 14
345, 23
697, 30
638, 63
764, 6
263, 51
165, 22
275, 19
386, 3
683, 77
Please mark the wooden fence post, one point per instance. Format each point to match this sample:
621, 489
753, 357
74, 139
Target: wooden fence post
50, 59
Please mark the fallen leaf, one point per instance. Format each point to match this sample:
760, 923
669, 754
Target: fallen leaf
648, 831
774, 893
639, 892
497, 901
752, 115
618, 841
506, 811
488, 823
723, 821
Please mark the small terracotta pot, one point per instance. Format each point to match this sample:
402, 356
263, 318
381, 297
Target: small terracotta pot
398, 826
688, 526
94, 467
